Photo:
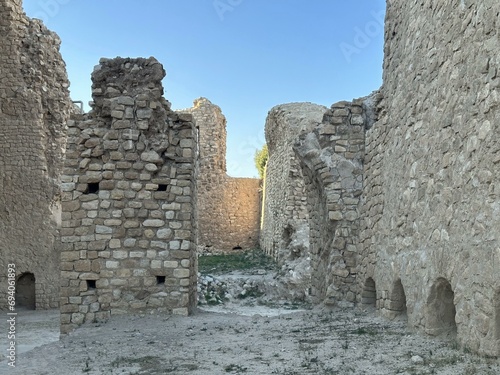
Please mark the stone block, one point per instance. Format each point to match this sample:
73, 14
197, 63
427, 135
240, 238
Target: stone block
83, 266
151, 157
164, 233
112, 264
121, 124
170, 264
119, 254
156, 223
181, 273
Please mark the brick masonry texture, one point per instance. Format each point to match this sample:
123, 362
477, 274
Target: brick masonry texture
229, 208
431, 223
391, 200
128, 232
34, 109
331, 157
402, 186
285, 210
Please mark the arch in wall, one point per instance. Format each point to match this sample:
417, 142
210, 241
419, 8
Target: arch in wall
397, 299
441, 309
332, 275
369, 294
25, 291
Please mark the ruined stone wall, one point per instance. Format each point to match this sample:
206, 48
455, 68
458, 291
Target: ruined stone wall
129, 209
34, 108
432, 211
285, 229
331, 157
229, 208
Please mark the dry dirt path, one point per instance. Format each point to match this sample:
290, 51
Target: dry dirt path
209, 343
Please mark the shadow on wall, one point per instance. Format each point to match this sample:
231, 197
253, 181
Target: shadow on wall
397, 298
369, 295
441, 309
395, 307
25, 291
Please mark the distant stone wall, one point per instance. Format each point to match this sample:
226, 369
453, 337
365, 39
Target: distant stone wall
34, 109
229, 208
129, 191
285, 228
241, 220
431, 242
331, 157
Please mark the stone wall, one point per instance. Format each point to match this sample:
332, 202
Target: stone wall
285, 224
229, 208
331, 157
431, 242
403, 214
34, 109
285, 227
129, 200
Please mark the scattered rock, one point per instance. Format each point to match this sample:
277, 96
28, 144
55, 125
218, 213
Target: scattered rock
416, 359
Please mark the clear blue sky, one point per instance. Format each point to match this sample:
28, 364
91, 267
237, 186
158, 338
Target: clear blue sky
244, 55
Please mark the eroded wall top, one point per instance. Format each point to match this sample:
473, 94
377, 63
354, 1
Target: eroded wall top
129, 202
34, 108
229, 208
285, 218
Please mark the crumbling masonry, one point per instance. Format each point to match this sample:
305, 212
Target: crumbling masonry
392, 200
229, 208
431, 223
128, 231
34, 109
402, 186
285, 221
99, 213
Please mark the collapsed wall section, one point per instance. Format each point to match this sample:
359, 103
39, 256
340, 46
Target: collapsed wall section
129, 200
285, 220
431, 213
331, 158
34, 108
285, 229
229, 208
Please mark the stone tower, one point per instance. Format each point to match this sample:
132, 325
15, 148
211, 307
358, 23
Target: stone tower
229, 208
129, 202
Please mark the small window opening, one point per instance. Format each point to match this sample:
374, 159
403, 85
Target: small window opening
237, 248
91, 284
162, 187
92, 188
160, 280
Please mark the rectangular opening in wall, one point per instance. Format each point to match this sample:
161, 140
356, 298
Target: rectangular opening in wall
92, 188
160, 280
162, 187
91, 284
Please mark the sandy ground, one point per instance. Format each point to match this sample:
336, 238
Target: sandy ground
239, 337
316, 341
